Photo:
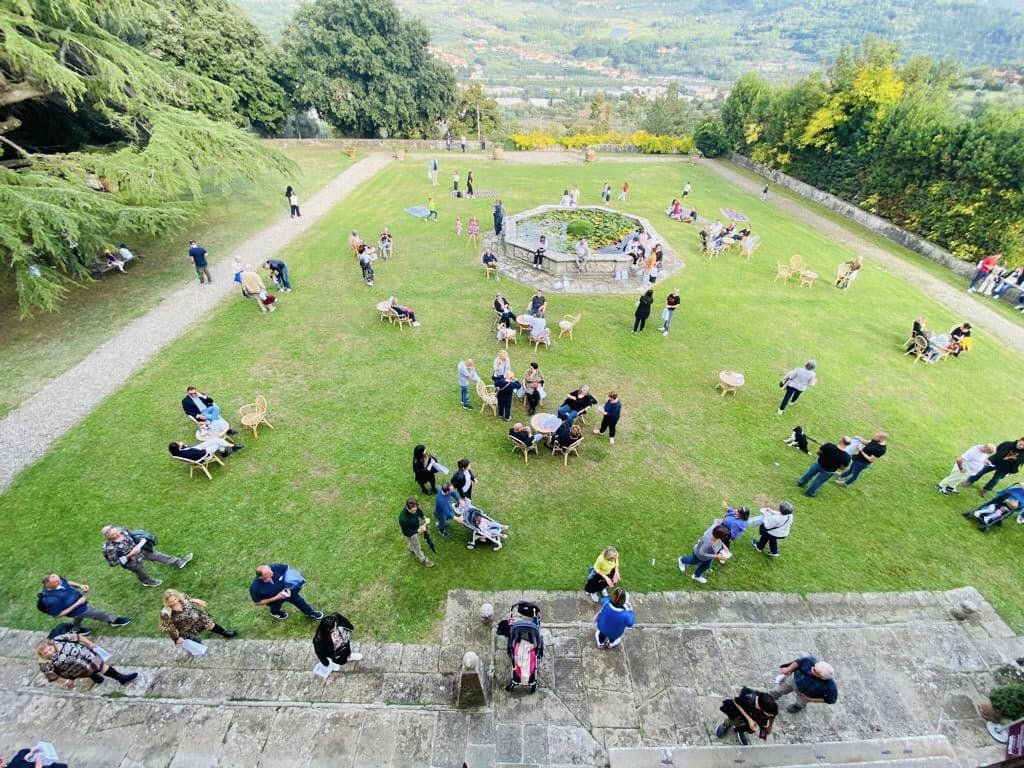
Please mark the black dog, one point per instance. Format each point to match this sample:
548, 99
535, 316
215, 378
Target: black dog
798, 439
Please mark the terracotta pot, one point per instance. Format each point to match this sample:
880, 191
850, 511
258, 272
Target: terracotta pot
400, 154
497, 152
988, 713
589, 156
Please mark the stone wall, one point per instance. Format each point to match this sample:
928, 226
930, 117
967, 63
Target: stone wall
876, 224
374, 145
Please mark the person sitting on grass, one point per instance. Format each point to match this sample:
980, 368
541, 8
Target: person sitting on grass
403, 311
112, 259
959, 339
125, 253
991, 513
524, 434
675, 210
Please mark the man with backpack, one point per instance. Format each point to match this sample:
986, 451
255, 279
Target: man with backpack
129, 548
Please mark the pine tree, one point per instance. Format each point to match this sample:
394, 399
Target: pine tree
99, 140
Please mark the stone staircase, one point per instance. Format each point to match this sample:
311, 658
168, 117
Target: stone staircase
911, 752
906, 669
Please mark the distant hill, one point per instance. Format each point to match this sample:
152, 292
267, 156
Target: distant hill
600, 42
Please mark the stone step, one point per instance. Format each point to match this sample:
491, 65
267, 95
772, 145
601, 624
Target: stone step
932, 751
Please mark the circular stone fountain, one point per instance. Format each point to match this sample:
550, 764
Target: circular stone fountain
610, 231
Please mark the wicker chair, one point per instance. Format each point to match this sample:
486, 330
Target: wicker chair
519, 445
807, 278
748, 246
254, 414
506, 335
784, 272
200, 464
796, 264
487, 397
489, 269
565, 450
538, 340
567, 323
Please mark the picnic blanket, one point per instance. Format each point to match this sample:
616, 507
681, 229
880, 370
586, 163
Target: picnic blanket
729, 213
419, 211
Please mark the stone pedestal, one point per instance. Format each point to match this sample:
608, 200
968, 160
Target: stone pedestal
472, 687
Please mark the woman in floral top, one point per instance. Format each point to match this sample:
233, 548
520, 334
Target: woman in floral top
70, 657
184, 618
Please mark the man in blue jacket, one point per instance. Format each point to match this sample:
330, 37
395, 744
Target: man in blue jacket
65, 599
446, 507
276, 584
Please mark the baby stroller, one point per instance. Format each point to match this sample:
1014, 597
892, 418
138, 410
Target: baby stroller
525, 644
1007, 503
483, 528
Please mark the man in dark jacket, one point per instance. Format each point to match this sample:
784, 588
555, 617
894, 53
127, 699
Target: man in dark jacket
579, 400
413, 522
1005, 461
499, 217
831, 458
811, 680
195, 402
750, 712
275, 584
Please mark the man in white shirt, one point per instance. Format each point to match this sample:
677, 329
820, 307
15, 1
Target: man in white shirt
970, 463
539, 330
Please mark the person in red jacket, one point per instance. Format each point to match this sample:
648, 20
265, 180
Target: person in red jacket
985, 266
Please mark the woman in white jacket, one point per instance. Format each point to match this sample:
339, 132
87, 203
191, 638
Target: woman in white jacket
775, 525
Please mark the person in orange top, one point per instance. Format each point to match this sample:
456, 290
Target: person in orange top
985, 266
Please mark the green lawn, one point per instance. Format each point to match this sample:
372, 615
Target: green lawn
350, 397
41, 347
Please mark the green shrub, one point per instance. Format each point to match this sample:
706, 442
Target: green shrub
710, 139
580, 228
1008, 701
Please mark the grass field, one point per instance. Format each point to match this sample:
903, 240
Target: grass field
350, 397
41, 347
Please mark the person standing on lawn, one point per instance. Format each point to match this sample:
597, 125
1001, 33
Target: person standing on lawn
467, 373
605, 574
796, 382
831, 458
1007, 460
615, 617
973, 460
499, 216
275, 584
129, 550
446, 507
504, 390
66, 599
811, 680
775, 525
864, 457
413, 522
713, 545
671, 302
197, 254
643, 310
612, 410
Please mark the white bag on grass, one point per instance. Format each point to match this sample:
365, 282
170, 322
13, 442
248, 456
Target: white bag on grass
194, 648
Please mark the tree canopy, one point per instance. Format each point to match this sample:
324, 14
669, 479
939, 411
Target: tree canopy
99, 140
213, 38
365, 70
471, 104
886, 136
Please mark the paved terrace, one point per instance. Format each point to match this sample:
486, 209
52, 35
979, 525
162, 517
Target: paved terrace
905, 668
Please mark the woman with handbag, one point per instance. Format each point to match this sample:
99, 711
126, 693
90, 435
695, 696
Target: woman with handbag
643, 310
750, 712
332, 642
185, 618
70, 657
796, 382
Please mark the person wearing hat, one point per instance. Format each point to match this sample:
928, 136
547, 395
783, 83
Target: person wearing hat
796, 382
811, 680
775, 525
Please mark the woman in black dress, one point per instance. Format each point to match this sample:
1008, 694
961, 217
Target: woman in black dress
332, 642
425, 469
643, 311
469, 184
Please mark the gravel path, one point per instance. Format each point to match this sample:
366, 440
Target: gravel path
963, 304
28, 432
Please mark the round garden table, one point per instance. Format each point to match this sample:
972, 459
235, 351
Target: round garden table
545, 423
730, 381
524, 321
